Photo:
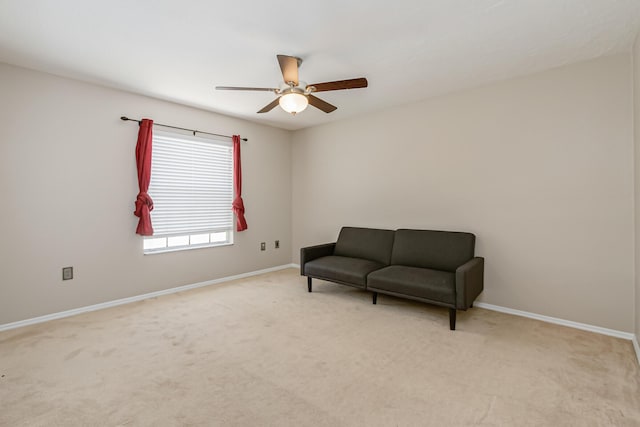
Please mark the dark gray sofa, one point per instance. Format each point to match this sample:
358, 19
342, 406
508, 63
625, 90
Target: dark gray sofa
436, 267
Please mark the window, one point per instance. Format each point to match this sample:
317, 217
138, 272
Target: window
192, 191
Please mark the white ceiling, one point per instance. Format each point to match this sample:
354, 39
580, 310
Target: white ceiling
408, 49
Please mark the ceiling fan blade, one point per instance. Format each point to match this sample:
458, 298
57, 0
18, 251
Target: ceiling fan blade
340, 85
265, 89
289, 67
270, 106
320, 104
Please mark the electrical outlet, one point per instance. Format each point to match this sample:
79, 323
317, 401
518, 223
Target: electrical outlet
277, 244
263, 246
67, 273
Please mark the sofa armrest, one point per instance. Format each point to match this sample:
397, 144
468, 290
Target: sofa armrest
312, 252
469, 282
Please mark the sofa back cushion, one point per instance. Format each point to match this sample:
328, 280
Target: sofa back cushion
366, 243
438, 250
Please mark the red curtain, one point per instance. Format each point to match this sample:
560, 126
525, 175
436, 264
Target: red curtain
144, 204
238, 204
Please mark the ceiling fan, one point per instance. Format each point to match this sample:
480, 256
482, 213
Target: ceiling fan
294, 95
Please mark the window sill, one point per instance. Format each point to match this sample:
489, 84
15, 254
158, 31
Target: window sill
185, 248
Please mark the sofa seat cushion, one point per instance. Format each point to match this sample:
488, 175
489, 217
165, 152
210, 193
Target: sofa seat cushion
425, 283
342, 269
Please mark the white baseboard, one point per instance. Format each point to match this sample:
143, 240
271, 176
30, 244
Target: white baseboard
569, 323
583, 326
73, 312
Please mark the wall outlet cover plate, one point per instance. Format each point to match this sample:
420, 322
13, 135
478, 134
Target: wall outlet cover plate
67, 273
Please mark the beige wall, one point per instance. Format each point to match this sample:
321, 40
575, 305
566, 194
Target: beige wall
540, 168
67, 190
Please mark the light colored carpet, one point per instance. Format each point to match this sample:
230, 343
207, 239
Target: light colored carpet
264, 352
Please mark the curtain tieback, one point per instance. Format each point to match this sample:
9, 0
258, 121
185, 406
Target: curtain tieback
143, 200
238, 205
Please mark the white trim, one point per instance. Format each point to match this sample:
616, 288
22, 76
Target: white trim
555, 320
89, 308
569, 323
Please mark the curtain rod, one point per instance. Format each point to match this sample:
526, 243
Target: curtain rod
175, 127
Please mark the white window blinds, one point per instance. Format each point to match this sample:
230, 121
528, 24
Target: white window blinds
191, 185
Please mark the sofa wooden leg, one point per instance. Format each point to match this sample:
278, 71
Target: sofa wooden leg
375, 297
452, 319
309, 283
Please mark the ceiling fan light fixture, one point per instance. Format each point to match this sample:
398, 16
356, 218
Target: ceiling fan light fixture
293, 102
